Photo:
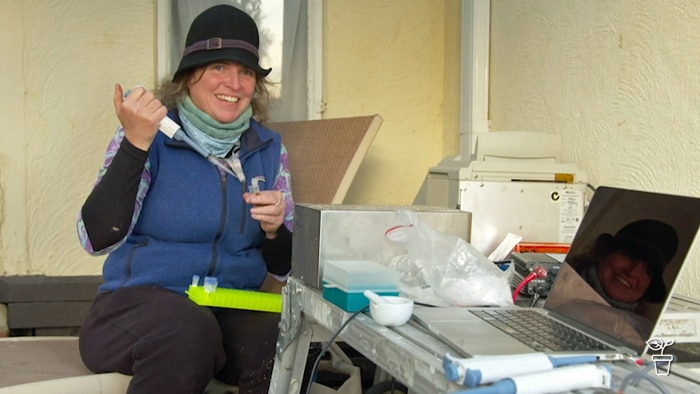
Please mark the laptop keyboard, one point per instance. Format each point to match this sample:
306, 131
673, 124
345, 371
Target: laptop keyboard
539, 331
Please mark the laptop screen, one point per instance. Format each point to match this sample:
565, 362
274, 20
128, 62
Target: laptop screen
624, 262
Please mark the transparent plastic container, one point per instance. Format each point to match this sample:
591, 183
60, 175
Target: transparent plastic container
360, 275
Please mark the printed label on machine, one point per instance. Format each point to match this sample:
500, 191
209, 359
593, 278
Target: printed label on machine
570, 213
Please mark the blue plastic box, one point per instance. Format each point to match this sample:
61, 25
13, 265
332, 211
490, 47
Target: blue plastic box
352, 301
345, 281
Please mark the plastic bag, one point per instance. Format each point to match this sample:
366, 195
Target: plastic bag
452, 268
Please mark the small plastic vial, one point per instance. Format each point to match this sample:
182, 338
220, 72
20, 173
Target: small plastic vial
195, 280
254, 188
210, 284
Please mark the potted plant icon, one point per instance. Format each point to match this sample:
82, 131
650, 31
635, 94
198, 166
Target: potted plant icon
662, 362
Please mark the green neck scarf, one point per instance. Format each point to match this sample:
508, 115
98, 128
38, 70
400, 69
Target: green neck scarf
217, 138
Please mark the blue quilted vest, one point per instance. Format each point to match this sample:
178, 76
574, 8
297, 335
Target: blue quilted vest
194, 220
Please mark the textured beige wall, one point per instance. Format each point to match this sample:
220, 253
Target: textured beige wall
389, 57
13, 226
60, 61
618, 80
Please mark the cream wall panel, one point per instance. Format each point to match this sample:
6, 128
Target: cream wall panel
13, 208
74, 52
388, 57
618, 80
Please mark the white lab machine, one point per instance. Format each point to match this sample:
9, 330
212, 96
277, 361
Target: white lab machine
514, 184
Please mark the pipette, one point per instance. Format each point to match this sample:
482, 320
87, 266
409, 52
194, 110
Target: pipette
474, 371
481, 370
561, 379
174, 131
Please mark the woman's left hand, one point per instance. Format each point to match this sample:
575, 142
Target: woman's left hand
269, 209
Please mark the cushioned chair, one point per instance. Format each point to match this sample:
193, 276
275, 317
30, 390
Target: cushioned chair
325, 155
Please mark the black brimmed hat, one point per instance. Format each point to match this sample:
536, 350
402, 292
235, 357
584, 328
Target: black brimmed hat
648, 240
222, 32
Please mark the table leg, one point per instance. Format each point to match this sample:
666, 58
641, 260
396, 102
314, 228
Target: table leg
288, 371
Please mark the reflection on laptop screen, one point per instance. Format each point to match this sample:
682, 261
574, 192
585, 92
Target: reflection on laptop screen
624, 261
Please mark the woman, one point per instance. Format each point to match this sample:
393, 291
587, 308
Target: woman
164, 214
626, 270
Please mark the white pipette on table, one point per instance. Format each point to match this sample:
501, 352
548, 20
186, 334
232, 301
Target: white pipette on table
558, 380
474, 371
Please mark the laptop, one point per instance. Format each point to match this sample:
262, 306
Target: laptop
614, 314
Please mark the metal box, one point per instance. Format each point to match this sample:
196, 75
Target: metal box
325, 232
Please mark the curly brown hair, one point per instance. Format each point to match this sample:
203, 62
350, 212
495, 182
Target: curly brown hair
171, 92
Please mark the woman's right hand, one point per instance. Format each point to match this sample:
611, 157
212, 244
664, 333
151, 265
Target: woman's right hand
140, 114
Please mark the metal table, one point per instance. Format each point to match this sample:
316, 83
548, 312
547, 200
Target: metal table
408, 353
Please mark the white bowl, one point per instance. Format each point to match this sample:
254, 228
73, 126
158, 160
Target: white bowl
395, 313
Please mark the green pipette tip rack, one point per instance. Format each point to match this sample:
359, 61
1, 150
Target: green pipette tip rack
236, 299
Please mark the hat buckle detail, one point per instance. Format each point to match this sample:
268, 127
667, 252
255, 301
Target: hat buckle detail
215, 43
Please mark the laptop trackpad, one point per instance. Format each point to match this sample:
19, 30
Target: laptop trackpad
475, 338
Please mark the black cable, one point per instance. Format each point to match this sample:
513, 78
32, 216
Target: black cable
328, 345
387, 386
540, 291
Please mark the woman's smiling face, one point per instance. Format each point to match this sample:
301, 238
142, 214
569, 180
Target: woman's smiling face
223, 89
623, 278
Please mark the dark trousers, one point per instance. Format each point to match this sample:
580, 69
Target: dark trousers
171, 345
